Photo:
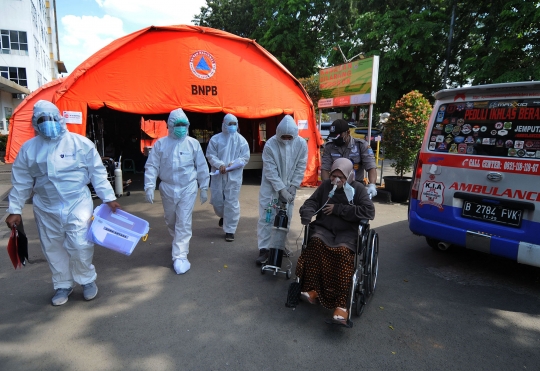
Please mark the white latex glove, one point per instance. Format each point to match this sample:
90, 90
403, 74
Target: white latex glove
284, 195
204, 195
150, 195
372, 190
292, 190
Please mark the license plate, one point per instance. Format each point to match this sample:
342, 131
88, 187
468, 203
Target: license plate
492, 213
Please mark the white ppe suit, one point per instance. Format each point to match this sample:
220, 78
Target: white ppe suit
58, 171
284, 164
180, 164
223, 149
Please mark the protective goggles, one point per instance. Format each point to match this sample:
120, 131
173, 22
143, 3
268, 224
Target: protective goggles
47, 118
180, 123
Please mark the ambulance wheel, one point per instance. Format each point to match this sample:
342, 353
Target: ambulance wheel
288, 274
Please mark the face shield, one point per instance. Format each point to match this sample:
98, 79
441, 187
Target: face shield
178, 124
47, 121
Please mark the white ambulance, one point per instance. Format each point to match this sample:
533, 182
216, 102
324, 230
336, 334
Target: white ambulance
477, 178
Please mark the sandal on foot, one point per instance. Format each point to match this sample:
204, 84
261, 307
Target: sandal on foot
310, 296
340, 316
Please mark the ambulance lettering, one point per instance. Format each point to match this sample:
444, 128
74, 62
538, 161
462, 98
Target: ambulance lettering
495, 191
432, 194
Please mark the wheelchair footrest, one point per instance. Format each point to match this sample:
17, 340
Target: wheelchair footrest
293, 295
332, 321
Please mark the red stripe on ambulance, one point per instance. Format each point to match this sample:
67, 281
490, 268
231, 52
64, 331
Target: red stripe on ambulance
503, 165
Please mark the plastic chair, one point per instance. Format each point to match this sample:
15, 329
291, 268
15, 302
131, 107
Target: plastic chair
128, 165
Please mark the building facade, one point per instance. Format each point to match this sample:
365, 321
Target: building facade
29, 51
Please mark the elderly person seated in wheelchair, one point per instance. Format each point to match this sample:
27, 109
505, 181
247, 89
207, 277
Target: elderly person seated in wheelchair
325, 267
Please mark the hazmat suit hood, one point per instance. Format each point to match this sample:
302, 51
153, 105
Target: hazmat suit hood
287, 126
175, 117
45, 108
229, 117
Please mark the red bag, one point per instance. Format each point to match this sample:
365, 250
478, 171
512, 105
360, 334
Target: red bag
12, 248
18, 246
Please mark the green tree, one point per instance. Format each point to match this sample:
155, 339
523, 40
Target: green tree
311, 84
299, 33
404, 130
410, 38
234, 16
503, 41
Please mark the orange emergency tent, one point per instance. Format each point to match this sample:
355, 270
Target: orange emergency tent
199, 69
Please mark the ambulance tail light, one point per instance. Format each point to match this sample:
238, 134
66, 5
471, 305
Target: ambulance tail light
417, 177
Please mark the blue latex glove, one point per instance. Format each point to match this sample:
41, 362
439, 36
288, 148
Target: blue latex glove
372, 190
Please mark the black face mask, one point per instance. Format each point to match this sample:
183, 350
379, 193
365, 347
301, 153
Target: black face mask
339, 141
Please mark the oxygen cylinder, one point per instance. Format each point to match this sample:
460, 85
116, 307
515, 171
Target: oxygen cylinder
118, 184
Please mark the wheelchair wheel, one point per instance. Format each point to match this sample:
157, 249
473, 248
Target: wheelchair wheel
262, 270
372, 266
359, 297
288, 274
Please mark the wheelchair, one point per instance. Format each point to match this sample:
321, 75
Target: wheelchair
364, 278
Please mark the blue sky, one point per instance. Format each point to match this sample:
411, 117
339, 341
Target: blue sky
85, 26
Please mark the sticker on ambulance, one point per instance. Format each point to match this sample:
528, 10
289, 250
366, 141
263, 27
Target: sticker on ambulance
440, 116
432, 194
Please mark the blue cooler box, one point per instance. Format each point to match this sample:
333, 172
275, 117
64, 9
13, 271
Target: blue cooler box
118, 231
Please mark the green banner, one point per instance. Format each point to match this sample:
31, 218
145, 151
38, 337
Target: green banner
347, 79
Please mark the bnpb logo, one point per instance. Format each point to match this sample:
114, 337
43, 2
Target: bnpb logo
202, 64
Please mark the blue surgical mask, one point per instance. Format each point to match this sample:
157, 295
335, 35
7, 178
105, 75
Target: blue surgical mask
50, 129
180, 131
349, 192
232, 129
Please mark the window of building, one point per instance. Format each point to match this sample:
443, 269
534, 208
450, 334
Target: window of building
39, 79
15, 74
13, 42
34, 15
36, 46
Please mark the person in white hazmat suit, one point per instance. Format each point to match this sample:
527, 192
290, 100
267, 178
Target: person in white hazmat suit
57, 166
179, 162
284, 163
227, 149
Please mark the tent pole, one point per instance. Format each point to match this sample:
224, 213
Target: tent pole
102, 139
93, 130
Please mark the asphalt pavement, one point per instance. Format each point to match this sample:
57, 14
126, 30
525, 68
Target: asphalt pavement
459, 310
